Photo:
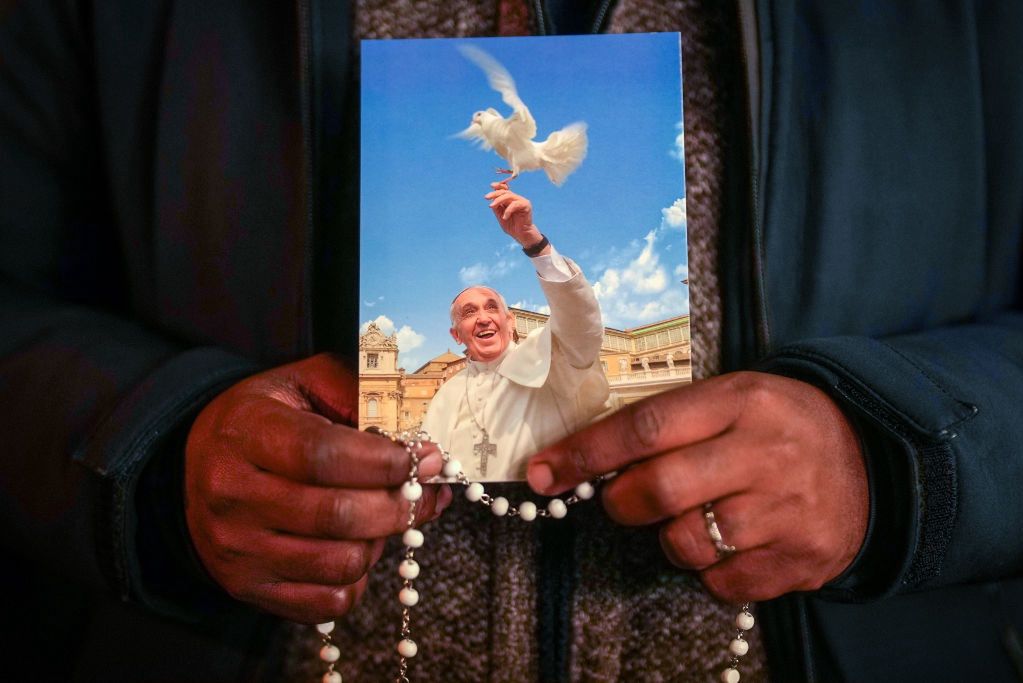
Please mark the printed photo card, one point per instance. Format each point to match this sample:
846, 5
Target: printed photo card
524, 269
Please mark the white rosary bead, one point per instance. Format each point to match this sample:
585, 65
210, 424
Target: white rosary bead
408, 569
474, 491
499, 506
408, 597
730, 675
412, 491
413, 538
452, 468
527, 511
744, 621
585, 490
408, 648
330, 653
326, 627
557, 508
738, 647
332, 677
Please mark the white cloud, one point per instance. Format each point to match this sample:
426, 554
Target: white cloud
369, 304
678, 151
674, 302
674, 217
503, 267
385, 324
629, 311
608, 284
409, 339
649, 283
480, 273
640, 290
645, 275
477, 272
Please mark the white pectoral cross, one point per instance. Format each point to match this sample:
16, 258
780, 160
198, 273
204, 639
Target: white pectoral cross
483, 450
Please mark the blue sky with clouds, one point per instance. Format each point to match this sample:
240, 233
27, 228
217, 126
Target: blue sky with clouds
427, 232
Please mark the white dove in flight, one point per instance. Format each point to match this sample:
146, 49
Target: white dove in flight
512, 137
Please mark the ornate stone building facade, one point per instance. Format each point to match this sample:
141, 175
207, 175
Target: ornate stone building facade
379, 380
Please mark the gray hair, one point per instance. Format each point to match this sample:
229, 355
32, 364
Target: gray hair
454, 311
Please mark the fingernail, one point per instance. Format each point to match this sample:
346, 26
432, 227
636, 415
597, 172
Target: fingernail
540, 476
345, 599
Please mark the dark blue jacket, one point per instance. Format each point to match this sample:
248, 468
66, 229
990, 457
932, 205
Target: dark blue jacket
885, 253
170, 168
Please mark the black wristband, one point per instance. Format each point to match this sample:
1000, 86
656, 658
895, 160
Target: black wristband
538, 247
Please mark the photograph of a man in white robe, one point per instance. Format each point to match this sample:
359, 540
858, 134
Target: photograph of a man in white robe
500, 317
515, 397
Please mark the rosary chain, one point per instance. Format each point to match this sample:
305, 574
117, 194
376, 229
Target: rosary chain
474, 492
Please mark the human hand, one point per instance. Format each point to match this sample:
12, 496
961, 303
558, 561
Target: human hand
776, 456
514, 213
286, 503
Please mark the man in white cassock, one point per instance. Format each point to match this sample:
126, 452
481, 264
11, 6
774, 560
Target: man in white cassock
512, 399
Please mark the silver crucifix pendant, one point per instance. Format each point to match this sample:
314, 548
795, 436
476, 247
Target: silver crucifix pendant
483, 450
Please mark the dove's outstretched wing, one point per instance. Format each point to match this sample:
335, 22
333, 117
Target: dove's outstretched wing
501, 81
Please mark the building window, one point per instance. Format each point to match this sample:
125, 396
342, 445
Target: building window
372, 408
603, 364
372, 360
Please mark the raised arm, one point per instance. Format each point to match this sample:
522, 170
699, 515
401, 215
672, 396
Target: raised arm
575, 314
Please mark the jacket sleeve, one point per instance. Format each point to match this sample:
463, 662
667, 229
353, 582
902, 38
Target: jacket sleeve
90, 393
938, 412
893, 243
575, 317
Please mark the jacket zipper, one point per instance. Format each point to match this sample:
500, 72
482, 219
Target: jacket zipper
543, 22
540, 11
598, 21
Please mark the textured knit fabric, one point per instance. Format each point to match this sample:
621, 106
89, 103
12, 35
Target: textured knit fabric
634, 617
425, 18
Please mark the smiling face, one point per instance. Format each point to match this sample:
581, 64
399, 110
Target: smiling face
482, 323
